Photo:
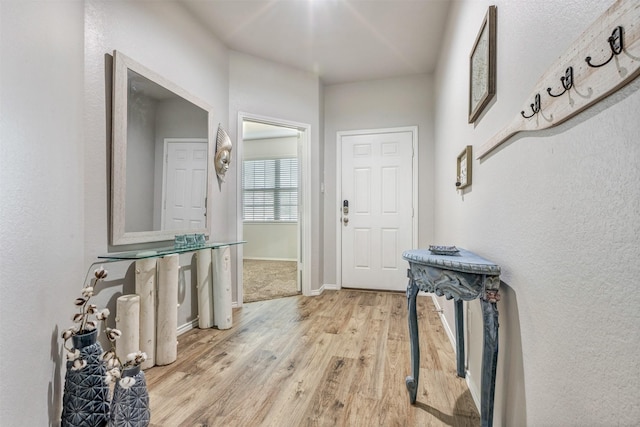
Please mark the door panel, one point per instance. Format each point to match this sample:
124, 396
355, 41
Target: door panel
185, 185
377, 183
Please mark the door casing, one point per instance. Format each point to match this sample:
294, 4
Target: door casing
304, 200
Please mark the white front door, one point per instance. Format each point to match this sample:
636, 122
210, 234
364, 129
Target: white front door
376, 207
185, 185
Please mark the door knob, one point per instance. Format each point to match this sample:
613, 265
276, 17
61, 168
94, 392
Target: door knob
345, 220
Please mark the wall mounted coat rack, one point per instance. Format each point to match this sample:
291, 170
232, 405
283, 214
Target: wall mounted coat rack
603, 60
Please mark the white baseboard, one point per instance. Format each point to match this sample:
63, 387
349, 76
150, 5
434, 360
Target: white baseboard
330, 287
471, 383
443, 319
316, 292
188, 326
269, 259
473, 388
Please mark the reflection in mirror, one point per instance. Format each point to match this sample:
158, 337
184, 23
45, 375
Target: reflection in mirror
162, 149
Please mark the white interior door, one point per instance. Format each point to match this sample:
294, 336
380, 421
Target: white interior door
376, 209
185, 184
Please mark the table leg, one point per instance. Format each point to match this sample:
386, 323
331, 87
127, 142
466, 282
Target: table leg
459, 338
412, 380
489, 358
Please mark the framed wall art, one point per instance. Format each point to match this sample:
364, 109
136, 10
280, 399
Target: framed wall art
482, 66
463, 170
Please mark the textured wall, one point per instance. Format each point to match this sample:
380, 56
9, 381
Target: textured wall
271, 241
55, 125
558, 210
41, 210
188, 56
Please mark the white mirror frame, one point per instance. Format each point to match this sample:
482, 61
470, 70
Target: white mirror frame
121, 64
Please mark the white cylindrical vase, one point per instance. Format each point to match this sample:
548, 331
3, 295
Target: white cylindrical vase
146, 287
221, 263
167, 324
204, 288
127, 321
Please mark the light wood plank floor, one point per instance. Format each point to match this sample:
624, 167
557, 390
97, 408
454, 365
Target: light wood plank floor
338, 359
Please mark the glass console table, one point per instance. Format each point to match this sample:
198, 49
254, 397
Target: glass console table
463, 276
156, 288
153, 253
160, 252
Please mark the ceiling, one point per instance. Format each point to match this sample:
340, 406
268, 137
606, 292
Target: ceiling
340, 40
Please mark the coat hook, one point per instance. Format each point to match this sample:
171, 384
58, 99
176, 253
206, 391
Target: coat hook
616, 43
567, 82
535, 107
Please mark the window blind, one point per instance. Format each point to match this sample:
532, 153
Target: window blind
270, 190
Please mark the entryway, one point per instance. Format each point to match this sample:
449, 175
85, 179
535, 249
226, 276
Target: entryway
272, 207
377, 179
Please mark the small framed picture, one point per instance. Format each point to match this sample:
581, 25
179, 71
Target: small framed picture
463, 172
482, 66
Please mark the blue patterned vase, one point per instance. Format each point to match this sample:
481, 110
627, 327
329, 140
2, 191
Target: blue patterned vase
130, 406
85, 402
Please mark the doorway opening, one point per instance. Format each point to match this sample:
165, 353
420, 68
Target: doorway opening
271, 203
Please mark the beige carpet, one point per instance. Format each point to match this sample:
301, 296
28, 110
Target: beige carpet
265, 280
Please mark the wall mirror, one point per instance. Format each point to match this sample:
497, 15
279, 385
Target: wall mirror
162, 154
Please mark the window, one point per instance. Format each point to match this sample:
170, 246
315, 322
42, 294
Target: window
270, 190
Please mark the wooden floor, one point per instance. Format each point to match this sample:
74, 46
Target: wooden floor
338, 359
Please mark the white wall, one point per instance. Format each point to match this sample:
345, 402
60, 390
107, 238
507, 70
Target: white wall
54, 171
404, 101
270, 148
141, 136
165, 39
41, 202
558, 210
271, 241
262, 88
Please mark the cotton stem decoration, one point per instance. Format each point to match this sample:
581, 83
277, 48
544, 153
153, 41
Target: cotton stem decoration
86, 320
223, 153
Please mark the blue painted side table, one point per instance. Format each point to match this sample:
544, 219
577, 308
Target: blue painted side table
463, 276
